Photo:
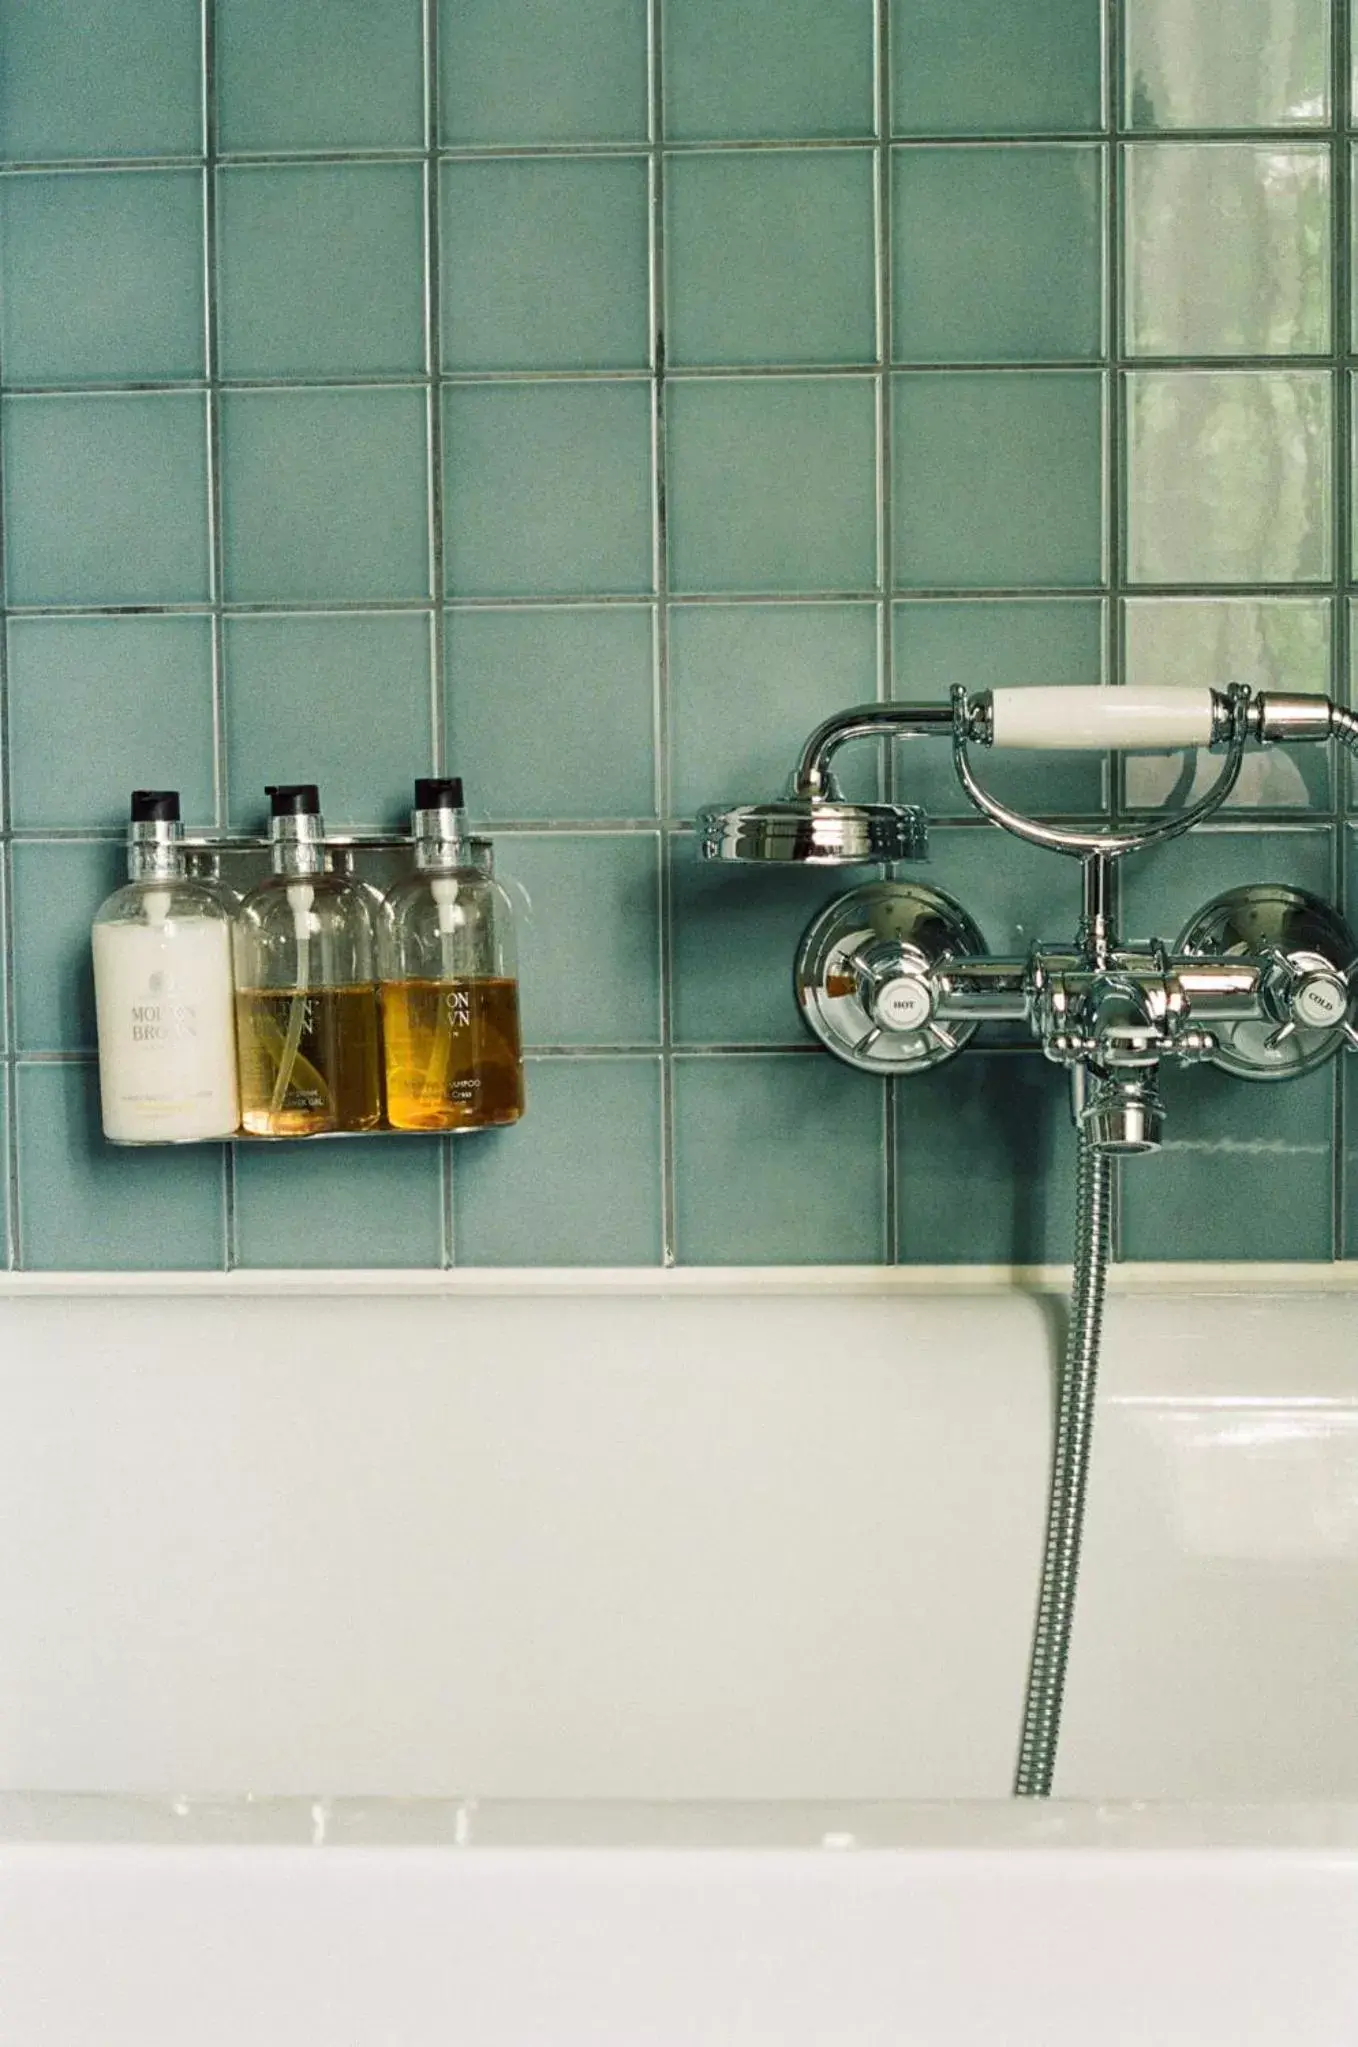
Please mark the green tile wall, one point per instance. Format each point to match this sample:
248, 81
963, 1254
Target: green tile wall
589, 396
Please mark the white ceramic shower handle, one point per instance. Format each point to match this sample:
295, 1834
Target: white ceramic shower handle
1074, 719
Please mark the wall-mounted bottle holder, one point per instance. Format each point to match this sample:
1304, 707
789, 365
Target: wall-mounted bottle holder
308, 984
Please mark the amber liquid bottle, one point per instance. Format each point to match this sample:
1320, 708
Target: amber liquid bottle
307, 1020
450, 1001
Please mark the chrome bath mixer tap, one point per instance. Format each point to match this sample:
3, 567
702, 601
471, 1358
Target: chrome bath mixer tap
895, 978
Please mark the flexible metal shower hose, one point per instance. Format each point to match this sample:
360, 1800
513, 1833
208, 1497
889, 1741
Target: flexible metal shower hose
1069, 1477
1344, 726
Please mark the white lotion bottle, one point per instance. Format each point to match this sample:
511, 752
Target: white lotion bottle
164, 993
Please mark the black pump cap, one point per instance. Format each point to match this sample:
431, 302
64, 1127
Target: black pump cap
293, 799
438, 792
155, 806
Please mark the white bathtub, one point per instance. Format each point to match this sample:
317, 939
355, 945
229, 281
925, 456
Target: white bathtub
442, 1926
352, 1544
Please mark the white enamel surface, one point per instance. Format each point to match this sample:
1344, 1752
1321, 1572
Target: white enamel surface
1073, 718
741, 1537
1037, 1947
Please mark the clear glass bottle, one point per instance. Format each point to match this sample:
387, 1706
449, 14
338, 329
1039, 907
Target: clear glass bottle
306, 989
450, 997
163, 992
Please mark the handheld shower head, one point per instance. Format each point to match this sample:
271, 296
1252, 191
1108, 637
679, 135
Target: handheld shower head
817, 831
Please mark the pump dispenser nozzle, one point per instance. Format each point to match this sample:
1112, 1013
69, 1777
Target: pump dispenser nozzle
154, 806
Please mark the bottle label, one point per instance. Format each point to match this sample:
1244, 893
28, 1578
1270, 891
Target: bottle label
167, 1055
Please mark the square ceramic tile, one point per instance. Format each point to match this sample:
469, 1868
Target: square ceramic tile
987, 644
542, 71
1227, 248
985, 1163
735, 936
769, 256
587, 911
101, 78
136, 691
997, 479
106, 499
1164, 888
577, 1182
103, 277
759, 70
1273, 643
320, 269
1188, 1199
547, 490
377, 1204
772, 484
343, 701
970, 67
748, 682
85, 1205
324, 496
551, 711
997, 254
1018, 894
751, 1137
1255, 64
346, 75
1229, 476
57, 889
545, 264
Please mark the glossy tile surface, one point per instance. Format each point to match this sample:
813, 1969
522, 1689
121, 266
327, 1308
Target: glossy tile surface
940, 642
1278, 643
346, 1203
279, 673
985, 1151
89, 1206
997, 254
547, 489
551, 712
1243, 1167
324, 495
768, 69
769, 256
100, 78
1229, 476
106, 500
736, 933
751, 1139
587, 906
748, 680
1164, 888
103, 277
577, 1182
965, 381
319, 270
1228, 248
969, 67
136, 691
57, 889
536, 71
997, 479
1256, 64
771, 484
296, 76
544, 264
